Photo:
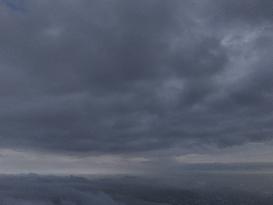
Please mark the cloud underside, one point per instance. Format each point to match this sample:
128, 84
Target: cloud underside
121, 77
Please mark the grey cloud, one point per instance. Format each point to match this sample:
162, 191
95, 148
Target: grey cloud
120, 77
240, 12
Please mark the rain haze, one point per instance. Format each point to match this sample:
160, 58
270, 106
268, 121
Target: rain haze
102, 98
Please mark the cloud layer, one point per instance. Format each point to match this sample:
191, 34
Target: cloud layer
120, 77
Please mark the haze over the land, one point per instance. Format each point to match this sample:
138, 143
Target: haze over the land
142, 87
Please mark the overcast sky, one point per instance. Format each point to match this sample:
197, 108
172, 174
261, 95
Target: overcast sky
116, 86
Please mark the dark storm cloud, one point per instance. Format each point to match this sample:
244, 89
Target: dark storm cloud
13, 5
243, 11
119, 77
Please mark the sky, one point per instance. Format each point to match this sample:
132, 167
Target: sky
140, 87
